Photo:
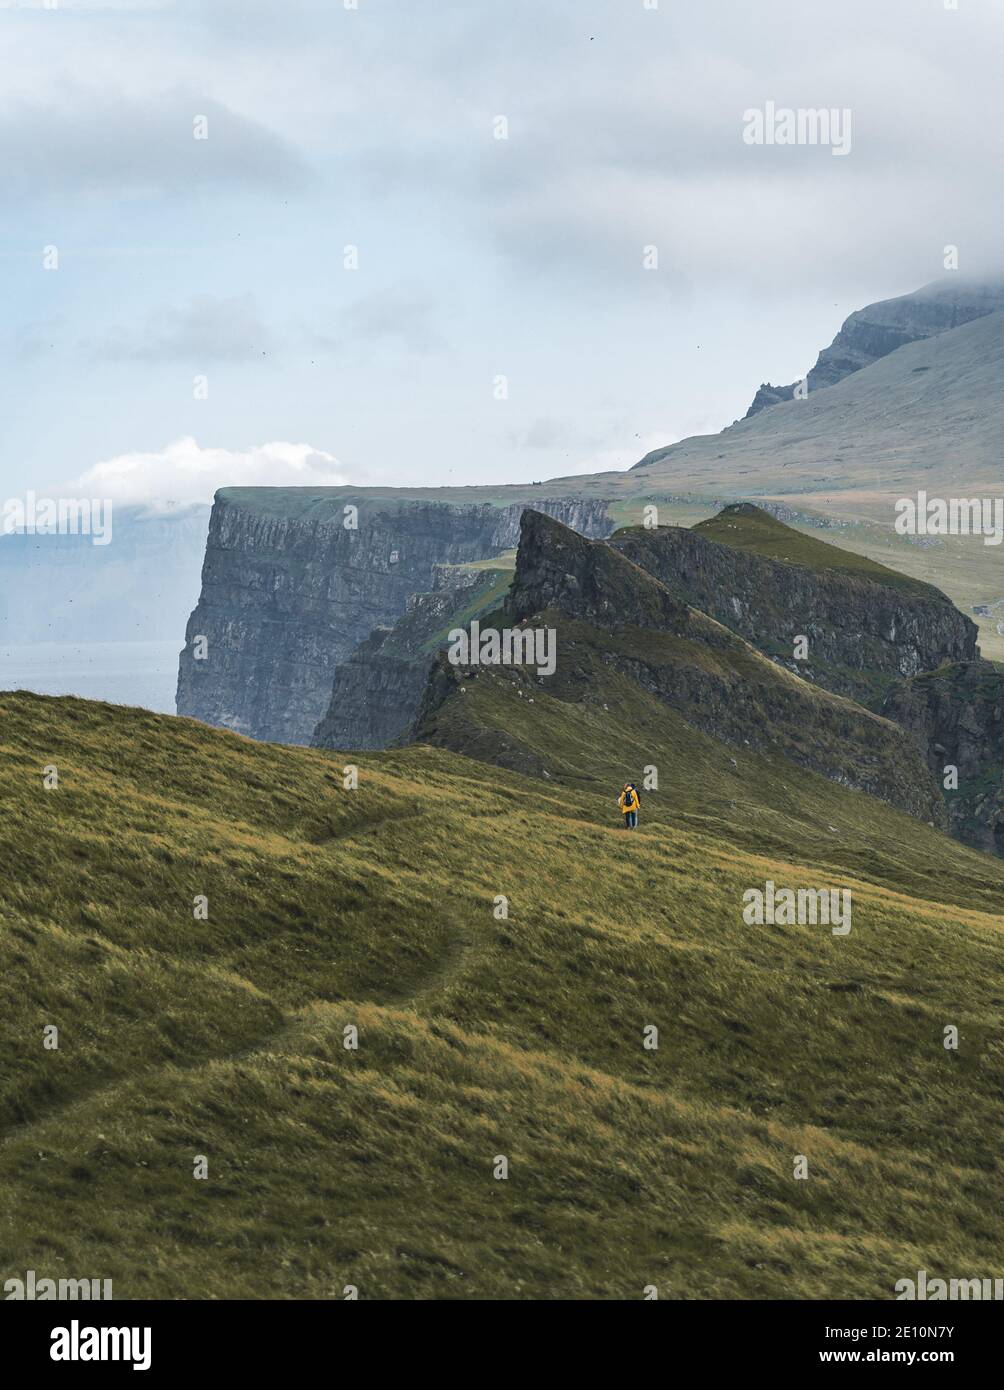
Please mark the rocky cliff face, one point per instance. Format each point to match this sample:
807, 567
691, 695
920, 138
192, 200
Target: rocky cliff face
376, 692
957, 716
770, 395
612, 616
881, 328
863, 633
289, 591
555, 569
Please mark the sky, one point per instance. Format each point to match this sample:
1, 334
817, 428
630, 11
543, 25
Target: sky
181, 313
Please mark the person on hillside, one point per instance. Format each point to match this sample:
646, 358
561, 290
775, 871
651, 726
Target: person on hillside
629, 802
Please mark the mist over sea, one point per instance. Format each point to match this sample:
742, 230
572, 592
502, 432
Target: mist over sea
123, 673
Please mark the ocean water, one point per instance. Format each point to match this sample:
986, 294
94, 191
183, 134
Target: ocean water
124, 673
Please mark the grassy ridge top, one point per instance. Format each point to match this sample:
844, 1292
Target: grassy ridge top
480, 1037
322, 503
750, 528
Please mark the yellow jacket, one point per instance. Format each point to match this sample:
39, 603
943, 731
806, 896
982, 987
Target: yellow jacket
628, 800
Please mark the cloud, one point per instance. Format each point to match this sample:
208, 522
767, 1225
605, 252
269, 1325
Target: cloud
397, 316
396, 313
86, 5
184, 472
547, 432
209, 328
37, 338
220, 328
625, 130
84, 141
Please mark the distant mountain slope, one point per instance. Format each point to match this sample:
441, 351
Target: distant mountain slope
881, 328
374, 909
139, 587
929, 415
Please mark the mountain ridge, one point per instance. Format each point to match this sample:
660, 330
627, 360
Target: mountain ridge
943, 433
880, 328
862, 625
610, 614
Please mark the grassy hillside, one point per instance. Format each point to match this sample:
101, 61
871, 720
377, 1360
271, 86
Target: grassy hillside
481, 1037
751, 528
967, 571
928, 415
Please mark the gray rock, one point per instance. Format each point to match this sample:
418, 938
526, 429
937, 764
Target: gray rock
713, 678
956, 715
881, 328
377, 691
863, 634
288, 593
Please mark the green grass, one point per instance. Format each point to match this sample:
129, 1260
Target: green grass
484, 597
505, 561
747, 527
478, 1036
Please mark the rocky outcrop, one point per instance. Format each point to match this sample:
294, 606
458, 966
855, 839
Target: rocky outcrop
863, 633
294, 580
770, 395
556, 569
957, 716
376, 693
881, 328
608, 612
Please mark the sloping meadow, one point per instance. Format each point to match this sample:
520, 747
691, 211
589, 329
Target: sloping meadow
402, 1018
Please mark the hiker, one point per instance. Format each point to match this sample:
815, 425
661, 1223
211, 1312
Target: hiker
629, 801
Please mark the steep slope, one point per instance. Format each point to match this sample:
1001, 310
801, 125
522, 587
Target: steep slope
866, 625
957, 715
294, 579
878, 329
613, 621
929, 415
765, 531
377, 692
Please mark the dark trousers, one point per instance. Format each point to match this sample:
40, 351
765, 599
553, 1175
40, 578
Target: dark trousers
630, 820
